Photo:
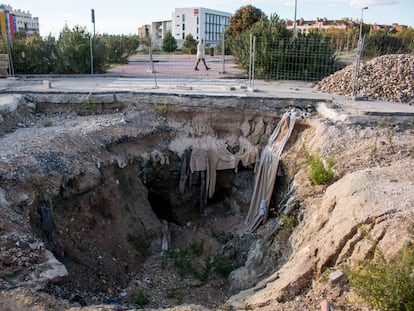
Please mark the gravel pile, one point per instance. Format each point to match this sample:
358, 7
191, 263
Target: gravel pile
388, 77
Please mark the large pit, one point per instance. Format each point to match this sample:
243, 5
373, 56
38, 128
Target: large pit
106, 183
143, 200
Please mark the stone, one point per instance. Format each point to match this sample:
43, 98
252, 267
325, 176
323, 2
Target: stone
336, 276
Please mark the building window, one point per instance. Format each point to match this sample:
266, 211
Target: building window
183, 35
183, 18
214, 26
183, 27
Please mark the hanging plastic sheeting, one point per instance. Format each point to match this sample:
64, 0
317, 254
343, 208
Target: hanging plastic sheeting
267, 170
209, 154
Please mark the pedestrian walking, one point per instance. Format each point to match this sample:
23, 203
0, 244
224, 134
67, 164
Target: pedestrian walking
201, 54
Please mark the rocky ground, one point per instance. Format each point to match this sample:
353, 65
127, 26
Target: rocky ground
85, 167
388, 78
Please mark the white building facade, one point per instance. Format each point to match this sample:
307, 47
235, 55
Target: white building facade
197, 21
200, 23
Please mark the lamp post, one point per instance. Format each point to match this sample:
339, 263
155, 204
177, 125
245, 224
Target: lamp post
359, 55
294, 21
361, 22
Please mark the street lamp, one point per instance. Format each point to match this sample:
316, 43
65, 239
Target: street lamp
359, 55
361, 22
294, 21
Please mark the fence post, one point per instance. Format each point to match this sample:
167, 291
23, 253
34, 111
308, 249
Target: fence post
151, 68
251, 60
223, 48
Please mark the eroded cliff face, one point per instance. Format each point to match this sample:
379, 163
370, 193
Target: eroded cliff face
368, 206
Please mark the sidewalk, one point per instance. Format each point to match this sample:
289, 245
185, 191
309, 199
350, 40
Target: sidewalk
334, 107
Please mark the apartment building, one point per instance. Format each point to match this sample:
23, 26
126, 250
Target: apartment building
323, 24
12, 21
320, 24
199, 22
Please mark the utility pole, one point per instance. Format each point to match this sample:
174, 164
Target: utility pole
92, 39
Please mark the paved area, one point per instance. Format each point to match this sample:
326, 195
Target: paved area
175, 74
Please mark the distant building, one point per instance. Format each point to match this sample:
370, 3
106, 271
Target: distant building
320, 24
389, 28
12, 21
199, 22
323, 24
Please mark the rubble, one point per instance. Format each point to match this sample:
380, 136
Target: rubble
388, 78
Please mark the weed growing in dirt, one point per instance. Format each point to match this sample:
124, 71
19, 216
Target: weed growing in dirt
320, 174
48, 123
385, 285
226, 307
290, 221
374, 147
139, 298
390, 137
186, 261
116, 131
87, 108
222, 266
161, 109
197, 248
175, 293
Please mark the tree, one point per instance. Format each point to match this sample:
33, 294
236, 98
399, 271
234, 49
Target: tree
280, 56
381, 43
169, 44
73, 48
407, 35
267, 31
190, 44
34, 54
243, 19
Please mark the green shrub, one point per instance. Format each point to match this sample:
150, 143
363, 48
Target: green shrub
185, 261
197, 248
222, 266
319, 173
182, 261
386, 285
161, 109
139, 298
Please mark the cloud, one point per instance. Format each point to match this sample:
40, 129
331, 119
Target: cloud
362, 3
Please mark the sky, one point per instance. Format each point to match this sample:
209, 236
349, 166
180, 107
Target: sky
125, 16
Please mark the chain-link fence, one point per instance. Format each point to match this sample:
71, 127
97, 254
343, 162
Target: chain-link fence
302, 58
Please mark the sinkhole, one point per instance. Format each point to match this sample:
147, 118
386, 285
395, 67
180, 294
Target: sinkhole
148, 205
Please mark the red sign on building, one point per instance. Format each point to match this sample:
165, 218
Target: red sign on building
195, 11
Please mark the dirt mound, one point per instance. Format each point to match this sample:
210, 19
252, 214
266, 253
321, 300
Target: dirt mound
388, 77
